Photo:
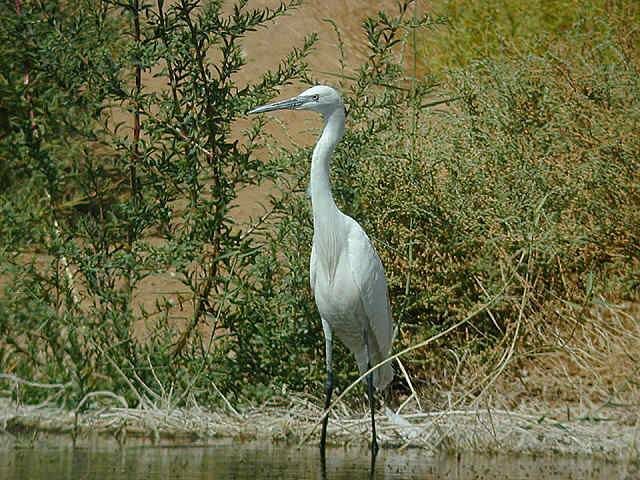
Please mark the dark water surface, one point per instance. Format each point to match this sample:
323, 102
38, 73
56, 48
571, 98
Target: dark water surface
253, 461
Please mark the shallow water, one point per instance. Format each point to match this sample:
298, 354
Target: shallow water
255, 461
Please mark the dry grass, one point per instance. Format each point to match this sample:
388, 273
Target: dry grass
594, 361
580, 397
293, 419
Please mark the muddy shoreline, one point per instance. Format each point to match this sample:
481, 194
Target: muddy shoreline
605, 437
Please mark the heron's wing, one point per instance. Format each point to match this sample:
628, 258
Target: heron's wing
312, 268
368, 275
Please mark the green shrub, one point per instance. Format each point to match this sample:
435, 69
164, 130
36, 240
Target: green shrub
109, 183
508, 175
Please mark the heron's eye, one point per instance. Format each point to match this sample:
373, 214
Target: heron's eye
316, 97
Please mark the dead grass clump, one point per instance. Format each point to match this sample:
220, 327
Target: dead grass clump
589, 360
295, 419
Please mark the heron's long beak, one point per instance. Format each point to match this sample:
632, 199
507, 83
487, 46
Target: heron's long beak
290, 104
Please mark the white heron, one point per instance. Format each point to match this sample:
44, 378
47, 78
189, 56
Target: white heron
346, 274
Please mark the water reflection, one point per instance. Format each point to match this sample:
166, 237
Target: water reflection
323, 465
255, 461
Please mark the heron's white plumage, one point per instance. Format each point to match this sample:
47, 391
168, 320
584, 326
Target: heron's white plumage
368, 275
346, 274
350, 289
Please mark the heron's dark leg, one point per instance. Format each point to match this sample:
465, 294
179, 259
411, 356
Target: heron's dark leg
328, 342
372, 468
323, 465
374, 437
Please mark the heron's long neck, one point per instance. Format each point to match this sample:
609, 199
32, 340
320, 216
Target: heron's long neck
324, 207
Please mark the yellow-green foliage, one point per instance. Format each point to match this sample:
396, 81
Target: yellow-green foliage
482, 29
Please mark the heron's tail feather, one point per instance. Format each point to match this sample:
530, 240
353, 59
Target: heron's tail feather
382, 375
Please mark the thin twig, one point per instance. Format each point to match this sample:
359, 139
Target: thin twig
101, 393
414, 394
30, 383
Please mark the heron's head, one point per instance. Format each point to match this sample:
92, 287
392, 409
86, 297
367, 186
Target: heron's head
321, 99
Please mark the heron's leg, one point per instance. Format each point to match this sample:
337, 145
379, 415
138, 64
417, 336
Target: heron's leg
328, 342
374, 437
